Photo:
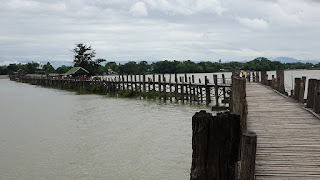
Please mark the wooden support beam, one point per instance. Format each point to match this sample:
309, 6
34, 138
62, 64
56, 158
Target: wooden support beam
302, 89
215, 145
311, 92
216, 89
248, 155
207, 88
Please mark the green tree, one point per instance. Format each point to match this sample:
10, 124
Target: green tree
63, 69
48, 68
83, 57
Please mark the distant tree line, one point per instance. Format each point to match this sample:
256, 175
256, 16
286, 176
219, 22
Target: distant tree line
143, 67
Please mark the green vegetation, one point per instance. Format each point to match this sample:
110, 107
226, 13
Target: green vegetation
83, 57
143, 67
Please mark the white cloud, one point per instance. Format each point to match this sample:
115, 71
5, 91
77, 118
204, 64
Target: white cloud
139, 9
257, 24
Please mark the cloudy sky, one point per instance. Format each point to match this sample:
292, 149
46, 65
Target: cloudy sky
121, 30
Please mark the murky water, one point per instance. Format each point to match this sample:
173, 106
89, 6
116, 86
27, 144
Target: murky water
53, 134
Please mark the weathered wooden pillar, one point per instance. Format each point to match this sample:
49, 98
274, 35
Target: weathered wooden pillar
297, 88
264, 79
187, 91
280, 80
144, 84
164, 88
224, 88
122, 82
170, 86
311, 92
135, 84
253, 76
159, 86
207, 88
191, 95
216, 146
248, 155
149, 85
185, 78
200, 91
257, 77
176, 88
302, 89
316, 99
154, 85
239, 102
182, 91
216, 89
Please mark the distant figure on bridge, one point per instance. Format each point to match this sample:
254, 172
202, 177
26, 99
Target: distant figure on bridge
248, 76
243, 73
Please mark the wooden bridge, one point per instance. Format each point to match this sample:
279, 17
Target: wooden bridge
288, 145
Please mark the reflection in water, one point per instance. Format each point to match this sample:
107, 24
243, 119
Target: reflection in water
48, 133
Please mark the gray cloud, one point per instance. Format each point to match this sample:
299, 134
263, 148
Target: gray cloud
159, 29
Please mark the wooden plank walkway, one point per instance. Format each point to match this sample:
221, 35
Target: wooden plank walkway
288, 136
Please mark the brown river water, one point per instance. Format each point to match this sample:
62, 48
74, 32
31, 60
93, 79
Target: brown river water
54, 134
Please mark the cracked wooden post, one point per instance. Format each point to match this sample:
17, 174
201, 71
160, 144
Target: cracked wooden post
248, 155
216, 89
154, 85
311, 88
302, 89
297, 88
207, 88
239, 102
280, 80
316, 99
216, 146
159, 86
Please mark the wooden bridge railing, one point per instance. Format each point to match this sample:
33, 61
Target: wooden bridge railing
186, 90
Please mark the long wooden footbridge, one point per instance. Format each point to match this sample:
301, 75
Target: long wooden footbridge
280, 133
288, 145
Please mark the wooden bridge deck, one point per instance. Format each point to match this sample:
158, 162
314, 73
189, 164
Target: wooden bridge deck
288, 136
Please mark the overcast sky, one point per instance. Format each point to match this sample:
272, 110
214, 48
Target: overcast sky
46, 30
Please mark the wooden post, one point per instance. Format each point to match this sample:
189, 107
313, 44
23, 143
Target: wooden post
311, 92
131, 82
187, 93
248, 155
264, 78
253, 76
182, 91
297, 88
154, 85
123, 82
207, 88
170, 85
135, 84
215, 145
185, 78
159, 86
224, 88
302, 89
216, 89
149, 83
127, 82
190, 92
316, 99
176, 88
164, 89
239, 102
144, 84
257, 77
280, 80
201, 98
139, 86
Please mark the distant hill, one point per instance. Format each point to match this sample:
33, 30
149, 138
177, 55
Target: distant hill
293, 60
